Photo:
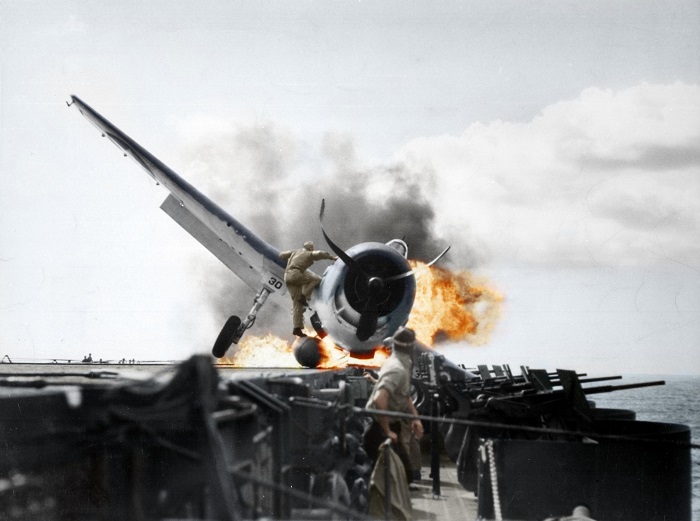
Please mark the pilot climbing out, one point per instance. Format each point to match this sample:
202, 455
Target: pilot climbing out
300, 281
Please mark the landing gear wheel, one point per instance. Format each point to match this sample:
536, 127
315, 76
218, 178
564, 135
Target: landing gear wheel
225, 338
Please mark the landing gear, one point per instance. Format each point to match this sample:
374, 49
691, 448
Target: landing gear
225, 338
234, 328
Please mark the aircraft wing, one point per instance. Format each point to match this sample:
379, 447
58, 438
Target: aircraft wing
253, 260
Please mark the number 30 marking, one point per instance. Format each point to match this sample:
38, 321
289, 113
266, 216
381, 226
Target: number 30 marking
275, 282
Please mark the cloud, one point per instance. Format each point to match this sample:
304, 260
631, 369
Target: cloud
609, 178
652, 127
612, 177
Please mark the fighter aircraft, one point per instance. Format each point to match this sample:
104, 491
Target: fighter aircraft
364, 297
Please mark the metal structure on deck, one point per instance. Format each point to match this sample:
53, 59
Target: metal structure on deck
205, 443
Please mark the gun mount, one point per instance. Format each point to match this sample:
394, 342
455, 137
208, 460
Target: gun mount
489, 414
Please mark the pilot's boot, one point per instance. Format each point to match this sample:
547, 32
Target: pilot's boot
298, 332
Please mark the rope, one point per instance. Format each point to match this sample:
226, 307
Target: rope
494, 481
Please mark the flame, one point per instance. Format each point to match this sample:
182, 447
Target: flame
262, 351
273, 351
449, 306
334, 357
453, 306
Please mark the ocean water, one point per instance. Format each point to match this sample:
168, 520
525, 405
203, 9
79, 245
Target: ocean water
676, 402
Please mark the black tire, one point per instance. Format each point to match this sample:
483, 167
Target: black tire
225, 338
318, 326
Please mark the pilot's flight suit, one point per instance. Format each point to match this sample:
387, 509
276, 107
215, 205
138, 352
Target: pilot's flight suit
299, 280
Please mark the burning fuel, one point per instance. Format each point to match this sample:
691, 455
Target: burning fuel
273, 351
262, 351
453, 306
449, 306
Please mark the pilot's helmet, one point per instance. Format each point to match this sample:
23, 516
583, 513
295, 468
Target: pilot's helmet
308, 245
402, 340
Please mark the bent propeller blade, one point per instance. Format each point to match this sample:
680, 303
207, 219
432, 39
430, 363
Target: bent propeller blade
418, 270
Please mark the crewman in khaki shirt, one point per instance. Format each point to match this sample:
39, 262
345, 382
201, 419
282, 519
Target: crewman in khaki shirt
392, 392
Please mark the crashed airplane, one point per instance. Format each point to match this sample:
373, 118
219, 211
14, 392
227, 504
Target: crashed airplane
363, 297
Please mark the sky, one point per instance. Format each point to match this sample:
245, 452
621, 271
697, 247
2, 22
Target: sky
555, 145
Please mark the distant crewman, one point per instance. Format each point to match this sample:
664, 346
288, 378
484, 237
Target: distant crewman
300, 281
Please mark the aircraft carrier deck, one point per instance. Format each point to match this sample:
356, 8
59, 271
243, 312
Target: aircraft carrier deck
453, 502
194, 441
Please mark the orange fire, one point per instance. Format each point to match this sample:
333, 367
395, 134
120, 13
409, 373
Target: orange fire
453, 306
262, 351
449, 306
333, 357
273, 351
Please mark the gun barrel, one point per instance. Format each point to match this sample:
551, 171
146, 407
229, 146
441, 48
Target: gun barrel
556, 381
599, 379
611, 388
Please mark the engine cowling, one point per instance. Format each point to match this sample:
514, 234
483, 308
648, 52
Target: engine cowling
343, 293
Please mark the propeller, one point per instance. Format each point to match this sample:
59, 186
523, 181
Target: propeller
349, 261
376, 288
377, 292
417, 270
369, 317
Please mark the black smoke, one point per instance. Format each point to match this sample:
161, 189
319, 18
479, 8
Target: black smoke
256, 175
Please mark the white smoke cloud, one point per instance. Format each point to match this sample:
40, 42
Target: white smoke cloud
612, 177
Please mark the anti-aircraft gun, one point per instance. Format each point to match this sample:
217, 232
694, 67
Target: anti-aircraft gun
492, 420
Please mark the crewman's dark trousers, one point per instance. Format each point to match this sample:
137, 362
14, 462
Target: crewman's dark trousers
374, 436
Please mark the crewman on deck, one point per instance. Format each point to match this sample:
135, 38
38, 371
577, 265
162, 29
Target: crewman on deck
300, 281
392, 392
410, 442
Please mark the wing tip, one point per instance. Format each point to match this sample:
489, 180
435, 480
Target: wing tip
75, 99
